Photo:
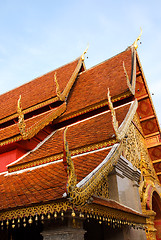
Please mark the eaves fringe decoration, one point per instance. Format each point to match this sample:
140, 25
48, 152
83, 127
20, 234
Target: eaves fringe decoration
79, 196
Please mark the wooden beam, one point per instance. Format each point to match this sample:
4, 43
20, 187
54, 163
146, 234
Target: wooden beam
152, 135
138, 74
147, 118
154, 145
156, 161
143, 97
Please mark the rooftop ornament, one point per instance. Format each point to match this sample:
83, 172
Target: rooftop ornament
83, 55
135, 44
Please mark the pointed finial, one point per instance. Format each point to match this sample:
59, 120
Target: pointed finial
83, 57
135, 44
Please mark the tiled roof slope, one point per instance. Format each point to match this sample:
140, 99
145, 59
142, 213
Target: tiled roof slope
13, 130
36, 91
92, 85
90, 131
45, 183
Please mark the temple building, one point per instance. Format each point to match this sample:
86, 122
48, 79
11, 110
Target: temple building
80, 154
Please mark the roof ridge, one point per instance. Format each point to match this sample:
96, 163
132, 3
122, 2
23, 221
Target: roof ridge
97, 65
40, 76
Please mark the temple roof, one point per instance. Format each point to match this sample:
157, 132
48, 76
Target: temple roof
44, 183
78, 101
81, 136
35, 92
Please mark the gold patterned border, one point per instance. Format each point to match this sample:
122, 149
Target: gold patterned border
30, 109
60, 156
64, 118
11, 140
107, 212
95, 211
93, 107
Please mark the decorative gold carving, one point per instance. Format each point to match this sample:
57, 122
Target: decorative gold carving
65, 93
113, 114
95, 211
107, 212
135, 44
102, 189
60, 156
11, 140
72, 178
80, 195
136, 152
131, 87
151, 230
56, 206
21, 121
32, 131
58, 93
121, 131
83, 55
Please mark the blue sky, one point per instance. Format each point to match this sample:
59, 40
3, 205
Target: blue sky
38, 36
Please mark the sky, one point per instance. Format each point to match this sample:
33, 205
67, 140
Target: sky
37, 36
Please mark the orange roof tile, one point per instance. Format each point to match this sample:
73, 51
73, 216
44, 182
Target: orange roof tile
36, 91
13, 130
45, 183
115, 205
87, 132
92, 85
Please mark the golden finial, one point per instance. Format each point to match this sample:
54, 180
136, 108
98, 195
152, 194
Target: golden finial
58, 93
135, 44
83, 57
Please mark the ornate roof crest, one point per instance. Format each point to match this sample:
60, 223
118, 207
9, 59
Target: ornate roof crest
135, 44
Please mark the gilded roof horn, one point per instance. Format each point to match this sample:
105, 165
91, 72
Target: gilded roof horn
135, 44
83, 55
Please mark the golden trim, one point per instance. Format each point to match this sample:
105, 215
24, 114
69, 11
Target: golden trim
65, 93
83, 55
58, 93
93, 210
135, 44
107, 212
113, 115
53, 158
93, 107
56, 206
131, 87
30, 109
34, 129
11, 140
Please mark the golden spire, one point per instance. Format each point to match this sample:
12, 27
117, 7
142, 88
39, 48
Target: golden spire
83, 57
58, 93
135, 44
